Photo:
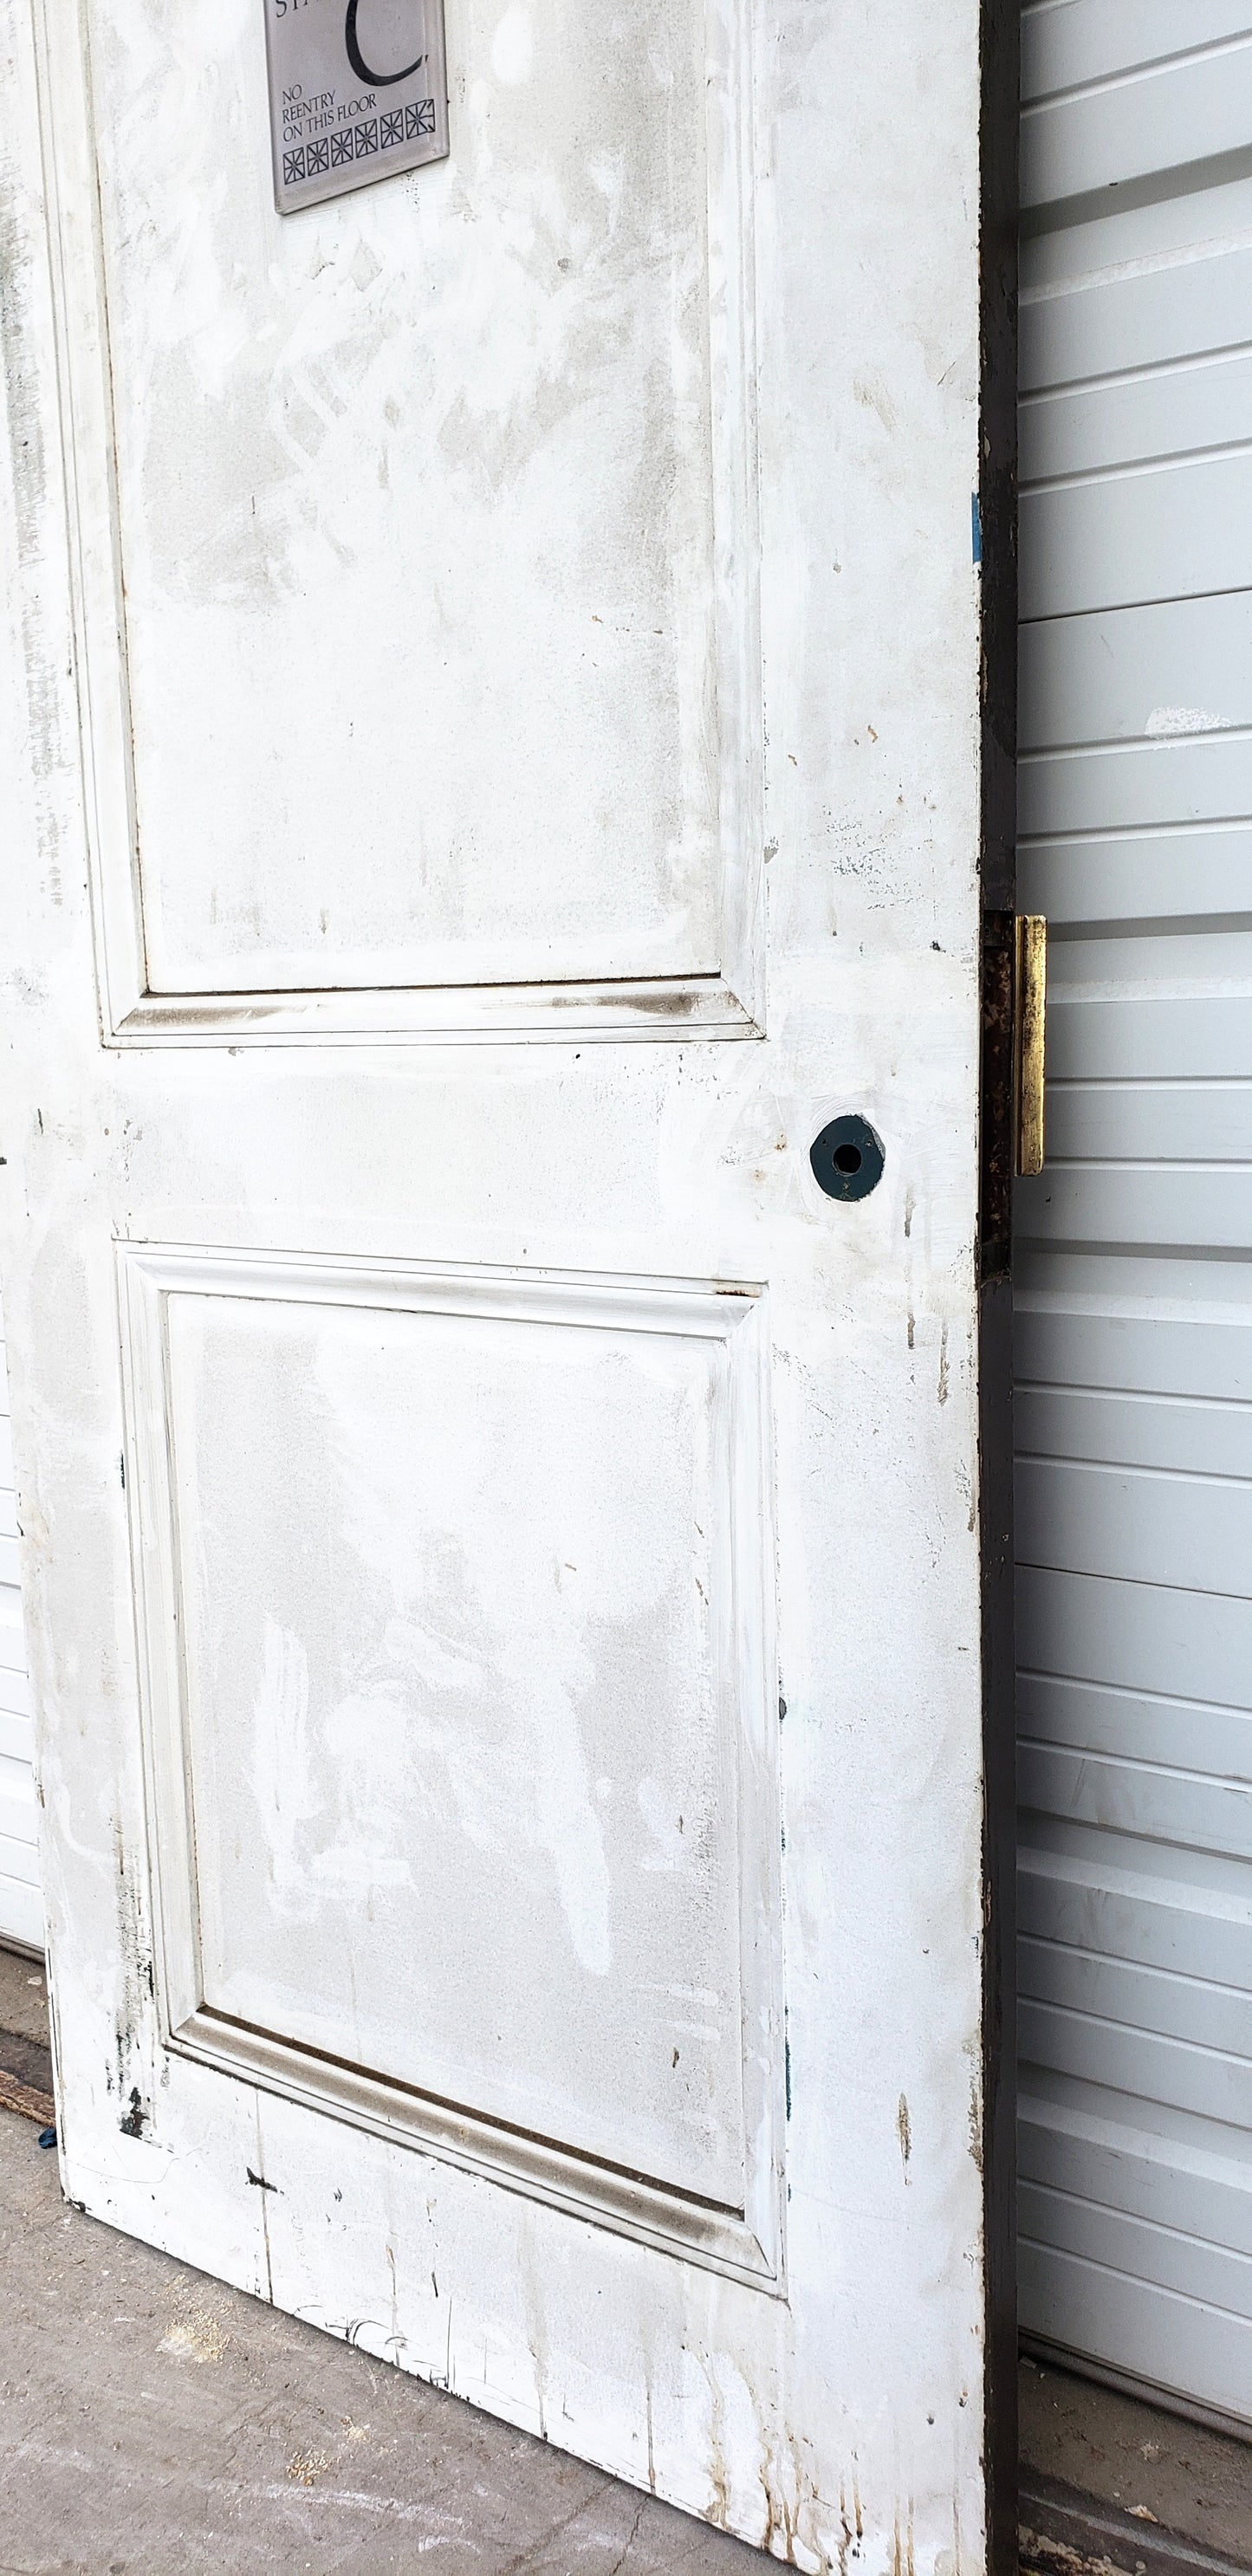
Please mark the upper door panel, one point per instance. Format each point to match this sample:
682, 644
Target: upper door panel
494, 406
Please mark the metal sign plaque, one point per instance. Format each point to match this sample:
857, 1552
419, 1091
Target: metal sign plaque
358, 90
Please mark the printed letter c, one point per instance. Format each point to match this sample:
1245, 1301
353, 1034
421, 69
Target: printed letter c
372, 80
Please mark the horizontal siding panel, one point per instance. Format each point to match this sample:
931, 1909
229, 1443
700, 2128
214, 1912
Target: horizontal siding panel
1153, 961
1160, 316
1149, 1122
1193, 110
1194, 1534
1171, 532
1149, 1352
1177, 1925
15, 1693
21, 1912
1164, 2257
12, 1633
1137, 1902
1175, 413
1135, 1636
1214, 1882
1202, 778
1177, 667
1067, 43
1135, 2326
1106, 2149
1095, 1204
17, 1737
1183, 2008
18, 1860
19, 1816
1134, 1430
1172, 1039
1178, 874
1185, 1735
1164, 1804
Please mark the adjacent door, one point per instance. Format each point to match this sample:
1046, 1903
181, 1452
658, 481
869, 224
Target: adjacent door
494, 706
1134, 1399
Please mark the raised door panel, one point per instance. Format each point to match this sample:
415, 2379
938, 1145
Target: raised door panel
496, 408
462, 1768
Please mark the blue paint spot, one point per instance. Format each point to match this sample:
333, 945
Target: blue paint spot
976, 515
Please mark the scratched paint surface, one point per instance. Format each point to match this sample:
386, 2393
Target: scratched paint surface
471, 1677
347, 1511
467, 415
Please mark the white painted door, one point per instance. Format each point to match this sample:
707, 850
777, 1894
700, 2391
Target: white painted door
21, 1911
500, 776
1134, 1400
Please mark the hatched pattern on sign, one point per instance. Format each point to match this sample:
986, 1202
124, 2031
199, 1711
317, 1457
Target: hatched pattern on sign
358, 142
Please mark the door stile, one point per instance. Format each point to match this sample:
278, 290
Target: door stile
997, 511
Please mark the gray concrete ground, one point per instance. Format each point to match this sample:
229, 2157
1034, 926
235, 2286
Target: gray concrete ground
155, 2423
23, 1997
1138, 2458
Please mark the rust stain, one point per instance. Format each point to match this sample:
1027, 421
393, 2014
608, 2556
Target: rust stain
719, 2474
780, 2515
975, 2120
845, 2530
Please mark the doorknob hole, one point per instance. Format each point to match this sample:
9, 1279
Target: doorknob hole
847, 1158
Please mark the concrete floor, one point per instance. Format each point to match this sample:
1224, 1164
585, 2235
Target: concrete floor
1138, 2459
155, 2423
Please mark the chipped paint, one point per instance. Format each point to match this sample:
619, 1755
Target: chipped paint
904, 2129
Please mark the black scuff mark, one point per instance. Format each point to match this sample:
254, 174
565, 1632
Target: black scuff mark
256, 2179
137, 2118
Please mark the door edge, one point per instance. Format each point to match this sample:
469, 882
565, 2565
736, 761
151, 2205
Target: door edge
995, 546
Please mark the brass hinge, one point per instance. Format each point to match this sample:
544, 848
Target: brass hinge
1030, 1006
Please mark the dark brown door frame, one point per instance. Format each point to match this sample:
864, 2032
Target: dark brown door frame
995, 524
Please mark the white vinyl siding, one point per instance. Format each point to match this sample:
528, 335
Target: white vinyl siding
21, 1913
1134, 1263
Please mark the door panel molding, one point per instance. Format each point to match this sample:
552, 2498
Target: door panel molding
745, 2240
726, 1000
